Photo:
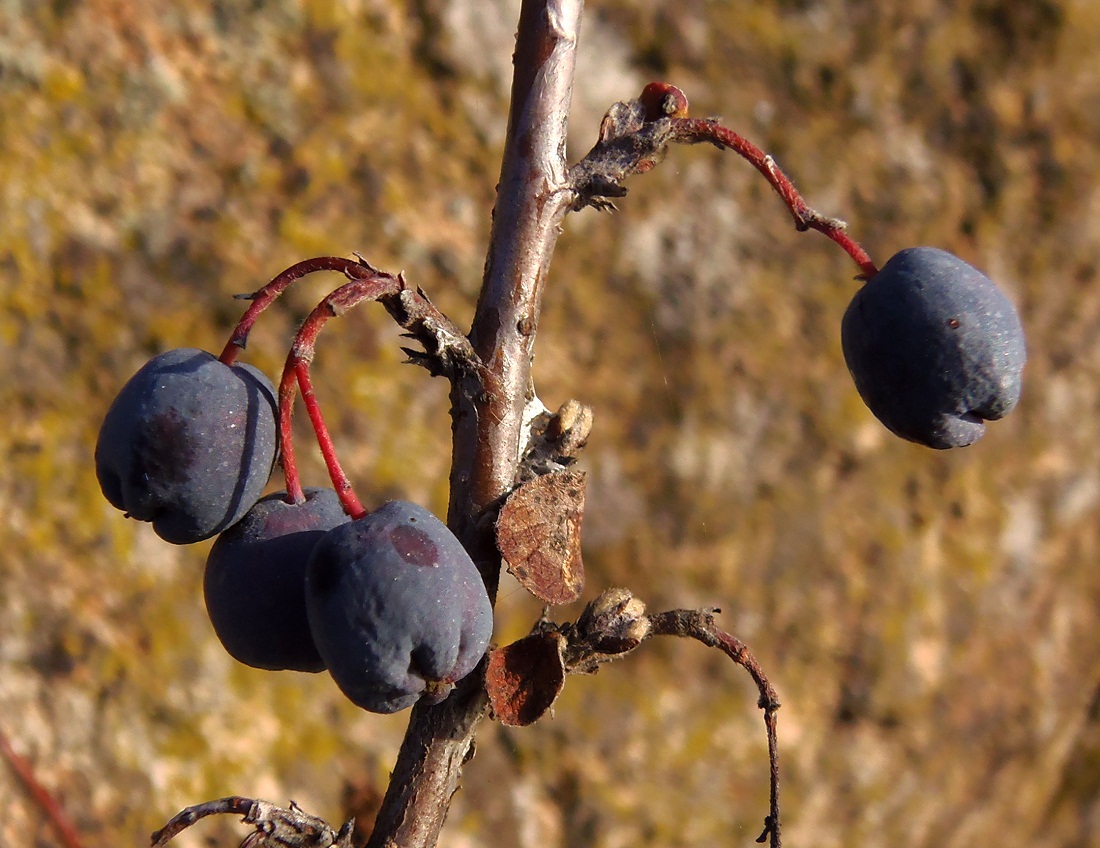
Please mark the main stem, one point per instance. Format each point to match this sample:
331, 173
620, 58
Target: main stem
533, 197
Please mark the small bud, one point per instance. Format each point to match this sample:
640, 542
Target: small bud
615, 622
570, 427
663, 100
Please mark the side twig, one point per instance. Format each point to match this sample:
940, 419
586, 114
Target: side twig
525, 678
274, 826
700, 625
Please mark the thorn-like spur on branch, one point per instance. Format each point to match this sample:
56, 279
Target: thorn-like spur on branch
274, 827
447, 351
634, 138
629, 144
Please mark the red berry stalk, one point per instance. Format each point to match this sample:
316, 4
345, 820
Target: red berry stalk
369, 285
287, 384
353, 269
660, 100
695, 130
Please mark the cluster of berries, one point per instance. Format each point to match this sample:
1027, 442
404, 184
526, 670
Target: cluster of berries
306, 579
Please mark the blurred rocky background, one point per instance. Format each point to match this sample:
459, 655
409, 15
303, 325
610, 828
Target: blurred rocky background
929, 619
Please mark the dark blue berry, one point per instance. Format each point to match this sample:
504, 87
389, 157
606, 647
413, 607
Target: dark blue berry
255, 583
188, 444
397, 608
934, 347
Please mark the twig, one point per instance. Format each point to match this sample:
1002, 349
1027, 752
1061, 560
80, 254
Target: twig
635, 136
275, 827
700, 625
447, 352
533, 198
526, 677
42, 796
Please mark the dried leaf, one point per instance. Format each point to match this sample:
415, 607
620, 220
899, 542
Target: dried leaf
539, 536
525, 678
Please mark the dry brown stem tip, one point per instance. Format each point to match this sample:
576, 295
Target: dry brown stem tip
274, 826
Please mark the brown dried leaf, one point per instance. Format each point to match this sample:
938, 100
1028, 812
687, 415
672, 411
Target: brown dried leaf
539, 535
525, 678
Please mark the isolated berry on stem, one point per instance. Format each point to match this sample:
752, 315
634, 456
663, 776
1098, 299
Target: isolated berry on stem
935, 348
